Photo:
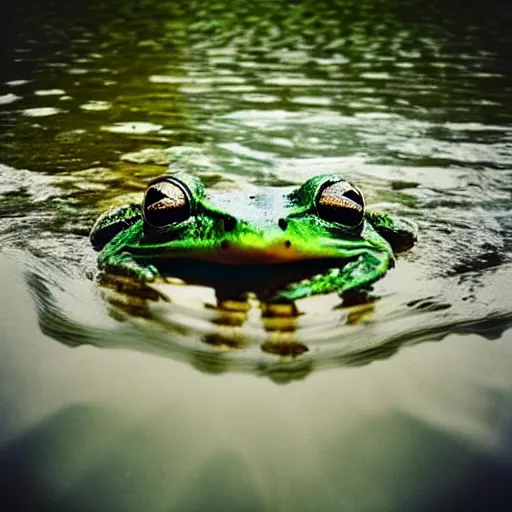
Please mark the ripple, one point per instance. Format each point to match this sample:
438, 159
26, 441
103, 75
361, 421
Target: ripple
6, 99
268, 118
134, 127
478, 127
312, 100
41, 112
195, 89
260, 98
49, 92
169, 79
237, 88
16, 83
267, 66
36, 187
246, 152
96, 106
295, 81
376, 76
190, 324
404, 65
77, 71
376, 115
463, 152
150, 156
335, 59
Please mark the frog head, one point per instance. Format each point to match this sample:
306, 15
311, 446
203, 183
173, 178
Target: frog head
323, 219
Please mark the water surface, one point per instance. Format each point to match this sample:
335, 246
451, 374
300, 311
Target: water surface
400, 406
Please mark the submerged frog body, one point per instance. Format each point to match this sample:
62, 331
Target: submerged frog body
322, 221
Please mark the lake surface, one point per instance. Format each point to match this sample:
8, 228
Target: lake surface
402, 405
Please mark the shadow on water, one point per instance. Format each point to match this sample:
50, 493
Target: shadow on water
224, 478
77, 458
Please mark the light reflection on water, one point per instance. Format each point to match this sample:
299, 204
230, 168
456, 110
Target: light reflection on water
410, 102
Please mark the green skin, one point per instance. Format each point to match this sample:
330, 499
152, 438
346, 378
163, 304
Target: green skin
276, 226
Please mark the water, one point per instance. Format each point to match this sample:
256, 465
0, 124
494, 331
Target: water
403, 404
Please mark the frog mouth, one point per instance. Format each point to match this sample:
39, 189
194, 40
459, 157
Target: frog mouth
233, 254
257, 252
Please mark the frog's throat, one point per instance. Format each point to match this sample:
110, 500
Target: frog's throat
235, 252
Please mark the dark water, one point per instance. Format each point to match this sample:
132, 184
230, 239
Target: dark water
400, 405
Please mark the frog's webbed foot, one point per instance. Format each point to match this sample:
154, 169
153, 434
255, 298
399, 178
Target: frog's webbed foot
316, 285
349, 281
125, 265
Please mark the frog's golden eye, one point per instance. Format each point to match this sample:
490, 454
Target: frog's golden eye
166, 202
341, 203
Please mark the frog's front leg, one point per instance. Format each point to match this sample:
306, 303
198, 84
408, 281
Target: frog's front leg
112, 234
356, 275
123, 264
115, 259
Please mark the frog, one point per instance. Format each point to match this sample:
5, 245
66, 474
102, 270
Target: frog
323, 221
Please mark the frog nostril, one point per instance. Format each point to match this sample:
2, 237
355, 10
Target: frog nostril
287, 244
282, 223
229, 224
224, 245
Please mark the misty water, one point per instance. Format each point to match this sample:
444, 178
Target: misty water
400, 404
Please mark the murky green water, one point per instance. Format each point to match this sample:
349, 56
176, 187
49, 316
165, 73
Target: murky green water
402, 406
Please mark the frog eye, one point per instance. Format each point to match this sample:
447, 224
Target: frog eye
166, 202
341, 203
